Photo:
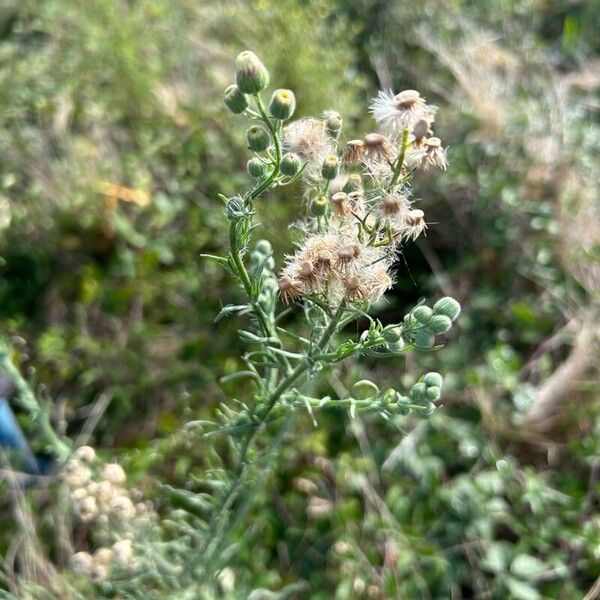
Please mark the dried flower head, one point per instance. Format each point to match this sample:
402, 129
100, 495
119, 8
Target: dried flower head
421, 129
357, 202
355, 288
347, 254
85, 454
394, 205
307, 274
415, 224
354, 151
289, 288
340, 205
122, 507
87, 508
376, 148
76, 475
103, 556
435, 155
396, 112
123, 553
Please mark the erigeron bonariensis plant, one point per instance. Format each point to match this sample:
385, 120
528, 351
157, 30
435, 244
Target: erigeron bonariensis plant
356, 215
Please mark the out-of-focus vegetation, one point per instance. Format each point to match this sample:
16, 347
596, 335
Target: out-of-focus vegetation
114, 145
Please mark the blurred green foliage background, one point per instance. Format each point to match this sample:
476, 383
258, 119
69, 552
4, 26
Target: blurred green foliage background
110, 305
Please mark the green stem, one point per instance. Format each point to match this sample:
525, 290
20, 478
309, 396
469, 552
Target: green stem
269, 329
400, 160
275, 134
232, 493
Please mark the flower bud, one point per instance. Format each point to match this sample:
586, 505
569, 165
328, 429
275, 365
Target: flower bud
251, 75
333, 123
418, 391
290, 164
235, 209
264, 247
403, 404
330, 168
354, 183
433, 379
318, 206
426, 409
439, 324
396, 347
283, 104
433, 393
392, 335
447, 306
422, 314
258, 138
234, 100
256, 168
423, 339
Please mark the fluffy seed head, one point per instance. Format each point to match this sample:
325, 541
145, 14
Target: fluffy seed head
396, 112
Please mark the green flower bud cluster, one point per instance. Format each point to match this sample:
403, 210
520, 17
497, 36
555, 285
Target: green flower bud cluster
426, 392
393, 338
424, 323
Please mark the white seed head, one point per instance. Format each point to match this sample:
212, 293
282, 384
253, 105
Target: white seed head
396, 112
122, 507
87, 509
76, 475
114, 473
81, 563
123, 553
103, 556
85, 454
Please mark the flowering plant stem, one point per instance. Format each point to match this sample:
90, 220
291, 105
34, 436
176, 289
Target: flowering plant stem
335, 275
259, 421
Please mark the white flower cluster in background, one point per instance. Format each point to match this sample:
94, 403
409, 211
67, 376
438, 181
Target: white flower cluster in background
102, 502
